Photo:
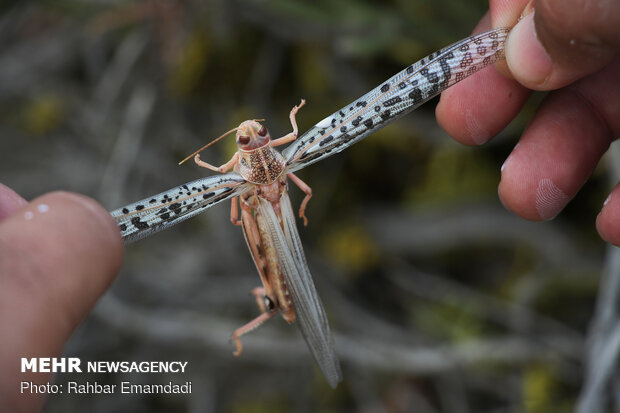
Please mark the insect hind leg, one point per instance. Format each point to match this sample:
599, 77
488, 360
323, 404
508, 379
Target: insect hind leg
236, 336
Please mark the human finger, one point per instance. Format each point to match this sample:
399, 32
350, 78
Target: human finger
608, 220
477, 108
58, 254
562, 41
560, 148
10, 201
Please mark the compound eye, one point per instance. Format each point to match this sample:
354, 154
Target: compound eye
262, 131
244, 140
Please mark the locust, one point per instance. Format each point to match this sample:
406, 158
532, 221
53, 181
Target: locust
258, 187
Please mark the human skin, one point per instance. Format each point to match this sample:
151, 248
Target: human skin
58, 254
567, 47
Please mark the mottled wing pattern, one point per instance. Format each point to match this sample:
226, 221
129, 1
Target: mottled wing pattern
311, 317
396, 97
153, 214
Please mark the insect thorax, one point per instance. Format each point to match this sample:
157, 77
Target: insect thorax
261, 166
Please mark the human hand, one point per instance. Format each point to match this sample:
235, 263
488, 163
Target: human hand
569, 47
58, 255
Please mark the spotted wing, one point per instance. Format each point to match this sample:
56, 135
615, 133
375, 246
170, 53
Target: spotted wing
396, 97
153, 214
311, 317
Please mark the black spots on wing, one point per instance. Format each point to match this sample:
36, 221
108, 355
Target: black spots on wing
326, 140
138, 223
415, 95
392, 101
208, 195
185, 187
445, 69
139, 207
125, 211
385, 115
414, 82
385, 87
410, 70
165, 216
341, 113
312, 156
361, 104
464, 48
175, 207
343, 129
377, 108
152, 201
466, 61
432, 77
368, 123
123, 227
402, 85
356, 121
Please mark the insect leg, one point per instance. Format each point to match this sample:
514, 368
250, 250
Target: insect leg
249, 327
222, 168
293, 135
253, 239
260, 294
234, 212
307, 190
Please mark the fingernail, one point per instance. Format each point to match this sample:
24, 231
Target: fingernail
526, 57
509, 156
607, 200
549, 199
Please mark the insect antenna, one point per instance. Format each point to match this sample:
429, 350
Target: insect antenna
209, 144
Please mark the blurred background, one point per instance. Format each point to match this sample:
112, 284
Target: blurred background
439, 299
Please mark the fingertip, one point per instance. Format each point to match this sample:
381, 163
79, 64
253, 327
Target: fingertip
100, 216
608, 220
528, 191
10, 201
61, 249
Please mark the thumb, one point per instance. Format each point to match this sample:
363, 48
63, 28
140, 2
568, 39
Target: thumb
58, 254
562, 41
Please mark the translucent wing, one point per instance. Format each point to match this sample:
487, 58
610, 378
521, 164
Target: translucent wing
396, 97
311, 317
153, 214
